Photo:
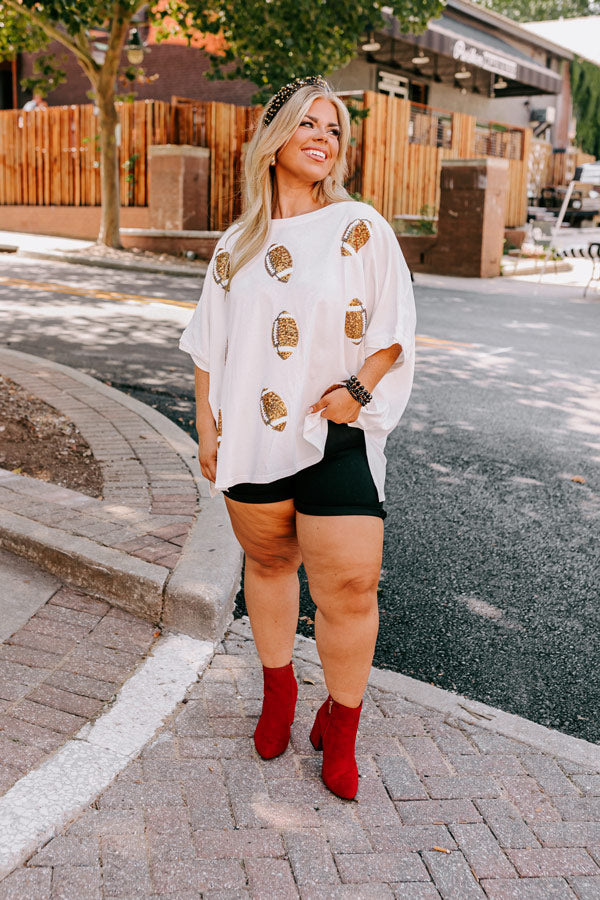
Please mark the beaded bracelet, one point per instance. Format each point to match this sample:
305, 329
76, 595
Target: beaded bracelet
358, 390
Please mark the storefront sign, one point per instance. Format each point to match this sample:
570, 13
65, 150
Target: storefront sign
393, 84
484, 59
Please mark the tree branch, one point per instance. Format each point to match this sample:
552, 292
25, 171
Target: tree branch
90, 68
66, 40
116, 39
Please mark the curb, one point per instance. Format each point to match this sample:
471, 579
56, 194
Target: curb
197, 598
103, 571
204, 583
533, 269
133, 266
25, 589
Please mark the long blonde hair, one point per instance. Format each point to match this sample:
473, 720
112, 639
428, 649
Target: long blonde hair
259, 186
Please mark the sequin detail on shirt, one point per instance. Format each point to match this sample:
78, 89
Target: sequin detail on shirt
355, 236
356, 321
279, 263
221, 268
219, 429
284, 334
273, 410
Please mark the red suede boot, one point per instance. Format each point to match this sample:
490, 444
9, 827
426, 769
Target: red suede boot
334, 732
272, 733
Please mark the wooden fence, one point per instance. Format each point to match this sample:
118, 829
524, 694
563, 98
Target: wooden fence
404, 144
51, 156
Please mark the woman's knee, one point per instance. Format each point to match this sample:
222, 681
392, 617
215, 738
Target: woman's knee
348, 596
267, 563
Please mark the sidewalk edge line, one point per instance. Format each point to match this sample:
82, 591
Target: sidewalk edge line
53, 795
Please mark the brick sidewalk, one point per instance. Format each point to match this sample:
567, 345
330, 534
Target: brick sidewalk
123, 526
445, 809
153, 544
58, 671
149, 493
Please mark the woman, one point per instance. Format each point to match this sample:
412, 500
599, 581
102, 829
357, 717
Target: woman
303, 344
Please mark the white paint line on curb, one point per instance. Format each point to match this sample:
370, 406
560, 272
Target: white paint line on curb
52, 795
150, 695
548, 740
47, 798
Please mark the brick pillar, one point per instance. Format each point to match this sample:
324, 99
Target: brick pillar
471, 218
178, 187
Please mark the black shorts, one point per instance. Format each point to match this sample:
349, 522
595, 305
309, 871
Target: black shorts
340, 484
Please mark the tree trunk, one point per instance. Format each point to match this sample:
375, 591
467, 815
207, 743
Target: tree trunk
109, 152
109, 167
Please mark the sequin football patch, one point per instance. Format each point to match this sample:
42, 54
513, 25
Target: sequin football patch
273, 410
355, 326
284, 334
221, 268
279, 263
355, 236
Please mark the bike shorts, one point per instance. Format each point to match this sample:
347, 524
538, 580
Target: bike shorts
340, 484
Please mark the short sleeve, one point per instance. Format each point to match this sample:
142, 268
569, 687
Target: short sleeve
202, 329
387, 279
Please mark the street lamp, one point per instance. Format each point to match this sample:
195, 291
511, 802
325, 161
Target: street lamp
371, 45
135, 48
420, 60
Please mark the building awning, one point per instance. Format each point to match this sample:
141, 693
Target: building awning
466, 43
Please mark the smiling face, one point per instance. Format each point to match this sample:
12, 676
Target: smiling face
311, 152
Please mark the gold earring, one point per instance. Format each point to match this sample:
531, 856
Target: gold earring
273, 160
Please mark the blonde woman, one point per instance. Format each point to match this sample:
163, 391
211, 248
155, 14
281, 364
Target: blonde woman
303, 344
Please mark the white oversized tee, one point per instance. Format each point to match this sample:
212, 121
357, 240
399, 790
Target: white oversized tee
327, 289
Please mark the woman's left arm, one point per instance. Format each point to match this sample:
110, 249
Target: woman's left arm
338, 405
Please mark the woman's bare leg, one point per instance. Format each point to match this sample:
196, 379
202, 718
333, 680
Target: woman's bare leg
267, 533
342, 558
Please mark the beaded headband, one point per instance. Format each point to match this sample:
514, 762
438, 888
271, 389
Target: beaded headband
284, 94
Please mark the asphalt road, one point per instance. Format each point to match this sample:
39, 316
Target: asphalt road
491, 560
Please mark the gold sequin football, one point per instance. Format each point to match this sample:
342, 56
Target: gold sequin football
284, 334
273, 410
221, 268
279, 263
355, 236
356, 321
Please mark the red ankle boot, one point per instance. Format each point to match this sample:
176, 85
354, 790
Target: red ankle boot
334, 732
272, 733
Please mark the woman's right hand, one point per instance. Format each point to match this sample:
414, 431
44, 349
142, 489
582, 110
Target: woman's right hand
207, 451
